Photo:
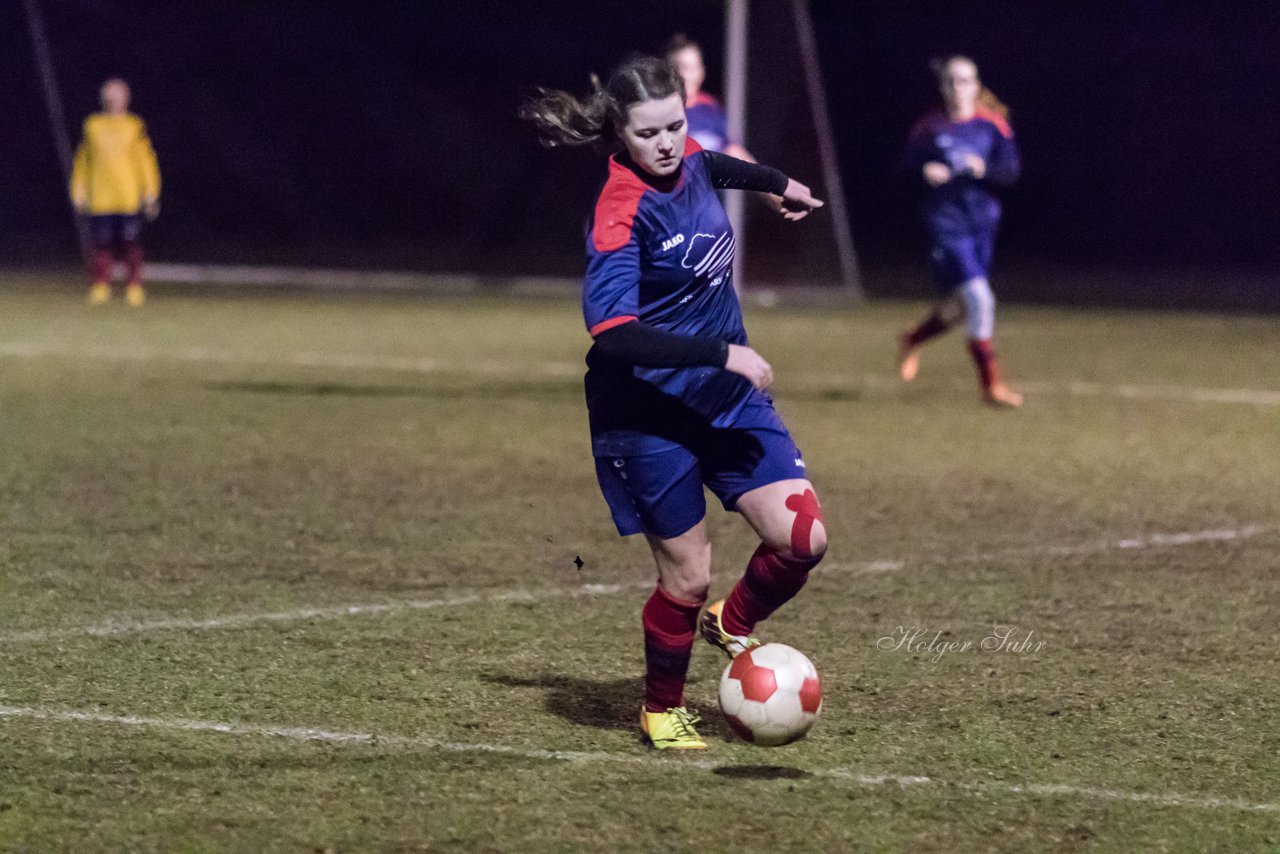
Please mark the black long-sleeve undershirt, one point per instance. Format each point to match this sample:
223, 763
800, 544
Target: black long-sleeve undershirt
730, 173
646, 346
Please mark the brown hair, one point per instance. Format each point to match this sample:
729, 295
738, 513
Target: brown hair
563, 119
679, 42
986, 98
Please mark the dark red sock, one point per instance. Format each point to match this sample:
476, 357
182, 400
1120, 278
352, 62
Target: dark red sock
133, 262
984, 357
670, 625
930, 327
100, 265
771, 580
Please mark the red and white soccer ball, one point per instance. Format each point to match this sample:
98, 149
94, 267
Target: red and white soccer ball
771, 694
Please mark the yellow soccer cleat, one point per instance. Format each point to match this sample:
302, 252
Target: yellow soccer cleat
99, 293
135, 295
713, 633
672, 729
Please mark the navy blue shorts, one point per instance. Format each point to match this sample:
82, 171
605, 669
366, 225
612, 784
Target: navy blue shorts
957, 258
108, 230
660, 493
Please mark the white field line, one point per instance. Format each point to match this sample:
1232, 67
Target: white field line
559, 370
298, 359
1157, 540
648, 760
364, 280
232, 621
1074, 388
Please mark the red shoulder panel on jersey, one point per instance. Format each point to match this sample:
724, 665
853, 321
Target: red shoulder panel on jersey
606, 325
1001, 123
691, 146
616, 208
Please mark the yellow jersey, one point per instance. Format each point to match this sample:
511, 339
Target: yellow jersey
115, 170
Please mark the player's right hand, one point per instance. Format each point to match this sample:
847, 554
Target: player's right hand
748, 363
936, 174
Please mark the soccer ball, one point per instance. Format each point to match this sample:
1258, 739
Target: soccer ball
771, 694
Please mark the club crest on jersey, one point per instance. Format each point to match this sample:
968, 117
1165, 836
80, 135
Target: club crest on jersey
709, 254
672, 242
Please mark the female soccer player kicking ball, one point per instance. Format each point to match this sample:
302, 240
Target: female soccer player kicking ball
960, 153
675, 396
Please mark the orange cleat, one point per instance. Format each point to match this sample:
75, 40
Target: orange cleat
908, 358
1001, 395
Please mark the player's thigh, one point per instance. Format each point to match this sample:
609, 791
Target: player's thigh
788, 516
684, 562
130, 228
955, 259
984, 245
102, 230
757, 469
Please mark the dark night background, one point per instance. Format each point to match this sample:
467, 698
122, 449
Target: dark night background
384, 134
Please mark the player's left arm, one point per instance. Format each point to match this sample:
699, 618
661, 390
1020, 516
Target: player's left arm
794, 199
149, 172
1004, 164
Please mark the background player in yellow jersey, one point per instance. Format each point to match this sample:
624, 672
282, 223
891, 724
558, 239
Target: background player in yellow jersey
115, 182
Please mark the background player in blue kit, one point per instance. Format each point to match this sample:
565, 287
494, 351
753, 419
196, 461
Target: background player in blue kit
675, 395
708, 124
960, 153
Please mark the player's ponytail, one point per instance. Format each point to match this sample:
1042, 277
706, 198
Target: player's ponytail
563, 119
988, 100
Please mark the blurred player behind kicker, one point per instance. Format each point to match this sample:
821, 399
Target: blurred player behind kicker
115, 181
960, 155
708, 124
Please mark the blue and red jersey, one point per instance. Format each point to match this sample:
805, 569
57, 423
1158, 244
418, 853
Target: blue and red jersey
708, 124
965, 204
660, 251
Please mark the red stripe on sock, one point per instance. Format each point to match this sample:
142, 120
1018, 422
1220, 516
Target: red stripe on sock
670, 626
771, 580
931, 327
984, 359
133, 262
100, 265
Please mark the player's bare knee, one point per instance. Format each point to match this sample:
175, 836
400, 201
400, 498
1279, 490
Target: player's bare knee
688, 576
690, 587
696, 591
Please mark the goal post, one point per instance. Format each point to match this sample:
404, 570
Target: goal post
822, 257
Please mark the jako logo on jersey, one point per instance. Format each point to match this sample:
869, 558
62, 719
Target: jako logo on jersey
672, 242
708, 254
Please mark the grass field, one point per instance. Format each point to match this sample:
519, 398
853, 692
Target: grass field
298, 573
